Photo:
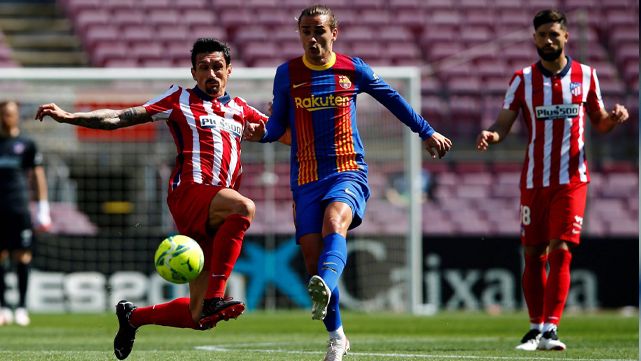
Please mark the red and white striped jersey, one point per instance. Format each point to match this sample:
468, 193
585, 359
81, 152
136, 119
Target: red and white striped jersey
554, 111
207, 133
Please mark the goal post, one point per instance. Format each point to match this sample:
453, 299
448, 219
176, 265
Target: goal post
388, 143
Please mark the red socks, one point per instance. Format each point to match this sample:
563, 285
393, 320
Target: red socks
558, 285
225, 251
174, 313
534, 279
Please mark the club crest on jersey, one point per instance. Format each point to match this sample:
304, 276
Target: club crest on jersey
549, 112
344, 82
575, 88
18, 148
220, 123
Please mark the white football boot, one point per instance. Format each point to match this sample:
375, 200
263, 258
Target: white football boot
320, 295
336, 348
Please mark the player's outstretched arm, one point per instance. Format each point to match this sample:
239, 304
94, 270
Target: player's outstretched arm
497, 131
604, 122
437, 145
106, 119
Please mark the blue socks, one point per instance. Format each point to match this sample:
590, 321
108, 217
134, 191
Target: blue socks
333, 320
330, 267
332, 259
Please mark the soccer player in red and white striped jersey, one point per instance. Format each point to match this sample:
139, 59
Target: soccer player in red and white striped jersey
554, 95
207, 126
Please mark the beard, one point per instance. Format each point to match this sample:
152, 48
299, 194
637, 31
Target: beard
549, 56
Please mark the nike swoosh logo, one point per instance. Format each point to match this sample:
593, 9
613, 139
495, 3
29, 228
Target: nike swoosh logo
348, 191
298, 85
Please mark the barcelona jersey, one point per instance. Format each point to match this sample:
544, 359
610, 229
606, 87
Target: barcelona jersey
318, 104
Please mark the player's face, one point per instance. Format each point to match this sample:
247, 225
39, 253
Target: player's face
550, 40
211, 73
317, 38
9, 117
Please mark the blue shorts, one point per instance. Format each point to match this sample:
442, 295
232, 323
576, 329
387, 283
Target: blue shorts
311, 199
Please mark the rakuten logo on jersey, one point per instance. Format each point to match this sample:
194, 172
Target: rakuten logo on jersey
547, 112
220, 123
314, 103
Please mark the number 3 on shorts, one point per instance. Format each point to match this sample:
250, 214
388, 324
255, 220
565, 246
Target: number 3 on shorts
525, 215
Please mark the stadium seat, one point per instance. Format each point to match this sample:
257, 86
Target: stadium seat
164, 17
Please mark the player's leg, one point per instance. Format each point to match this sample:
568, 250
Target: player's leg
311, 245
6, 317
566, 223
534, 239
22, 260
230, 215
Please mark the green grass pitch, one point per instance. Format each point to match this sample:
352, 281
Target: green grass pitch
292, 335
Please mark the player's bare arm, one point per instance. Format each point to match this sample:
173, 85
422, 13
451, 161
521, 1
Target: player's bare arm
437, 145
497, 131
107, 119
604, 122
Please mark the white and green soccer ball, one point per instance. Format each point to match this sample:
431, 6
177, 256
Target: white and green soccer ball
179, 259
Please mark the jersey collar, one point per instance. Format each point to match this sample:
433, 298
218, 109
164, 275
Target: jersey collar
561, 74
329, 64
224, 99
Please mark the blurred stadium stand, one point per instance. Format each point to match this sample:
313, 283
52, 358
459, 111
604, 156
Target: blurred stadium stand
467, 50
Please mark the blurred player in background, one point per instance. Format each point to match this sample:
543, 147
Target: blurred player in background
207, 127
554, 94
20, 170
315, 97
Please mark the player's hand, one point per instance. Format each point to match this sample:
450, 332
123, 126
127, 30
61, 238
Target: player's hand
254, 131
619, 114
437, 145
484, 139
43, 217
52, 110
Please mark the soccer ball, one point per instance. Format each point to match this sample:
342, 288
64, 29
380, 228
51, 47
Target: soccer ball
179, 259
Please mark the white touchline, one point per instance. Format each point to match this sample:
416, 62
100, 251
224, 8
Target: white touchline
389, 355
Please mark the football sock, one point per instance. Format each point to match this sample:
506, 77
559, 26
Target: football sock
534, 281
22, 271
558, 285
225, 251
548, 327
339, 333
332, 259
536, 326
3, 285
174, 313
333, 320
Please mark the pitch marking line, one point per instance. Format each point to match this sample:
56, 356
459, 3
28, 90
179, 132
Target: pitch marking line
388, 355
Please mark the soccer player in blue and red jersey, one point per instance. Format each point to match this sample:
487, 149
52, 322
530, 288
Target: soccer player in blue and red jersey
554, 94
315, 97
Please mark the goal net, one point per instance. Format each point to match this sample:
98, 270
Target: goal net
108, 189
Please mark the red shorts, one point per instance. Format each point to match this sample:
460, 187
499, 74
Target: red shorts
552, 213
189, 206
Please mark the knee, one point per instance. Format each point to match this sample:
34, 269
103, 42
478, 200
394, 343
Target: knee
245, 207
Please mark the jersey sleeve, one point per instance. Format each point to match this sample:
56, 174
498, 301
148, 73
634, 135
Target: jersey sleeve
372, 84
160, 107
512, 100
593, 99
277, 123
251, 114
32, 156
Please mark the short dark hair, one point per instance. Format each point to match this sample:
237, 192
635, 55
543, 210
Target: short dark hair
550, 16
210, 45
315, 10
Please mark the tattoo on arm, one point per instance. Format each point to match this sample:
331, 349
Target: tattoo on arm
109, 119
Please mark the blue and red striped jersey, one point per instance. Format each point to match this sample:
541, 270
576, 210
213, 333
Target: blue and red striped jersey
318, 104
